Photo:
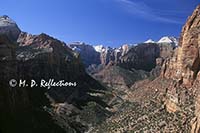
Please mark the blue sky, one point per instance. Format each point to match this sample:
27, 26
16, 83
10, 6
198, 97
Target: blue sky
108, 22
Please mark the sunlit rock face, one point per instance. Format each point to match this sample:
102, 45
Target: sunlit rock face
184, 66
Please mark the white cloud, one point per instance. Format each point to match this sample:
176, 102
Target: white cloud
143, 10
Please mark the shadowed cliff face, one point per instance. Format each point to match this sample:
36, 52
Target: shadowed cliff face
37, 109
87, 53
19, 112
141, 57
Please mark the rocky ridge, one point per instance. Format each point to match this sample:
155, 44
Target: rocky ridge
59, 109
96, 58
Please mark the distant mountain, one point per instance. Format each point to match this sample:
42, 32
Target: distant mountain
99, 48
141, 57
92, 56
150, 41
166, 39
87, 53
169, 40
97, 57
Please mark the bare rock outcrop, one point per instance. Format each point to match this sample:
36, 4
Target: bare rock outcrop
9, 27
184, 66
141, 57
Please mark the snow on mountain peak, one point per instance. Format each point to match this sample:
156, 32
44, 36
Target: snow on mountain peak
76, 49
99, 48
167, 39
149, 41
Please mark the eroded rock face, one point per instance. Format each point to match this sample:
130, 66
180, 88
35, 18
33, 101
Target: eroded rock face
108, 54
18, 107
183, 68
185, 64
141, 57
43, 57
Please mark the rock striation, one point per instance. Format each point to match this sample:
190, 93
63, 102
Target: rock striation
142, 56
184, 66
